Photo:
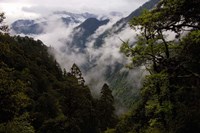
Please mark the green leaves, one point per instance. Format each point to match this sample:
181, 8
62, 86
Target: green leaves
13, 97
18, 125
151, 45
33, 83
106, 109
169, 94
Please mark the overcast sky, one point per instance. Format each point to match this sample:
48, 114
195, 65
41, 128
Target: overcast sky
16, 9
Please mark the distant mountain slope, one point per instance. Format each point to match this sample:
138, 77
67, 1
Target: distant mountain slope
148, 6
85, 30
77, 41
124, 91
27, 27
122, 23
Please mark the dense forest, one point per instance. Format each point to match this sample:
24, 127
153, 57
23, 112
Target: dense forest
38, 96
170, 96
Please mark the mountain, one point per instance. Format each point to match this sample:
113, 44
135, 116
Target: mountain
123, 23
38, 96
70, 18
124, 90
85, 30
27, 27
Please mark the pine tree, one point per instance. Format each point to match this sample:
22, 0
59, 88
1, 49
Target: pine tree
106, 108
3, 27
76, 72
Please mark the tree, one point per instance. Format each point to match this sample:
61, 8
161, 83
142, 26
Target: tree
36, 95
106, 109
13, 97
169, 94
19, 124
3, 27
76, 72
152, 45
178, 15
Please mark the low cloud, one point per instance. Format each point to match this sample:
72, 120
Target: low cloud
16, 9
58, 36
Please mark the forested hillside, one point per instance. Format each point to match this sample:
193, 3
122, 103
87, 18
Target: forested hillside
36, 95
88, 37
170, 95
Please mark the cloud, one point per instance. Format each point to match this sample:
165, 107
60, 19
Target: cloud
57, 34
98, 60
26, 8
106, 56
13, 12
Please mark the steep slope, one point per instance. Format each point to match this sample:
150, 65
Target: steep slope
76, 44
85, 30
27, 27
123, 91
37, 26
122, 23
37, 96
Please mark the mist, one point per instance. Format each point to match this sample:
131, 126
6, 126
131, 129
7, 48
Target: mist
58, 36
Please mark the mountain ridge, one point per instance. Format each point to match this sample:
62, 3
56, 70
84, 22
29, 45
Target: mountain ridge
82, 32
28, 26
122, 23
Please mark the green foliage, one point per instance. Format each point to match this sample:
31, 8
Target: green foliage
170, 94
3, 27
122, 88
106, 116
152, 45
18, 125
110, 131
13, 98
37, 96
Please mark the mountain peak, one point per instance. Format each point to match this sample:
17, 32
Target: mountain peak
93, 23
87, 28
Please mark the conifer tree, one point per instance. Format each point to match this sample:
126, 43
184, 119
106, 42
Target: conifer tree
106, 108
3, 27
76, 72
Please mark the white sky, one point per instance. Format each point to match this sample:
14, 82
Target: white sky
17, 9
